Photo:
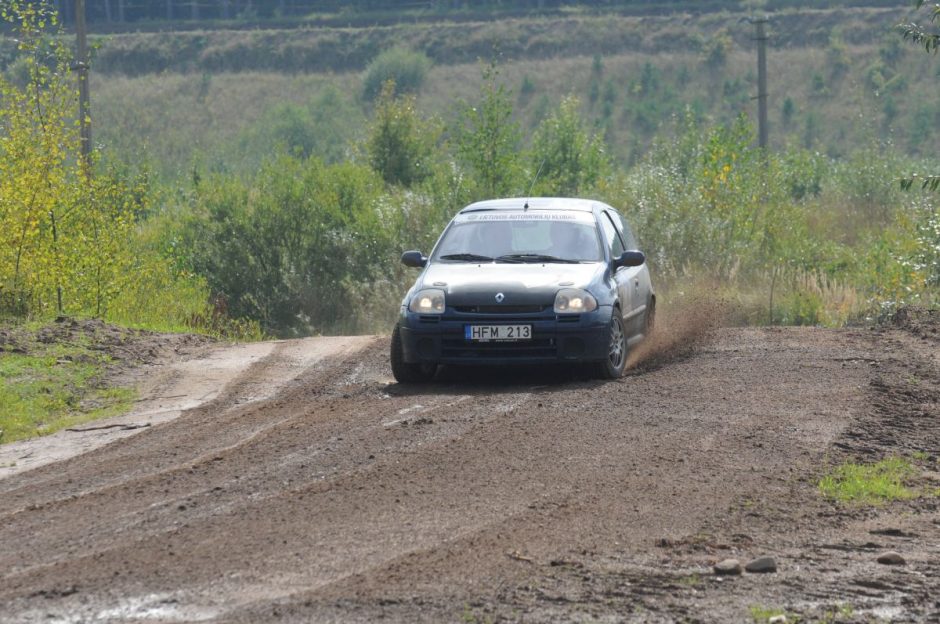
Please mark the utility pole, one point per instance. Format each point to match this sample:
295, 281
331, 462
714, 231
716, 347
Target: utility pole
761, 38
83, 104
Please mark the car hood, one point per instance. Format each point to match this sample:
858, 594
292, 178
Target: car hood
521, 284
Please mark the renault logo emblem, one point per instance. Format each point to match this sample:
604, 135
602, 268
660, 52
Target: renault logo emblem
500, 297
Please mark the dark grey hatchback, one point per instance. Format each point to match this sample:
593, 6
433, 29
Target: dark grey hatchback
526, 281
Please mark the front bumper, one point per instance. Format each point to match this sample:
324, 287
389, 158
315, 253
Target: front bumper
440, 339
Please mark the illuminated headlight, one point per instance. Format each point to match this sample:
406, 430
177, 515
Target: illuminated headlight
574, 301
428, 301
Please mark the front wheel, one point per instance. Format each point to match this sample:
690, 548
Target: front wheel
403, 371
612, 367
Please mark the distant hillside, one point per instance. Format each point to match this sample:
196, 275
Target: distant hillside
839, 79
326, 49
115, 15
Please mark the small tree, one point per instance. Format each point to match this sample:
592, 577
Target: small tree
66, 242
929, 37
37, 180
488, 139
400, 144
565, 156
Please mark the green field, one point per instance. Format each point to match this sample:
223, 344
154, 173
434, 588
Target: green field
840, 80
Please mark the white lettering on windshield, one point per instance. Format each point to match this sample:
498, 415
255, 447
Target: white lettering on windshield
585, 217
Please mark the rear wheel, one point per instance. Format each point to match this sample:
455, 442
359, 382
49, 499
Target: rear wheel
403, 371
612, 367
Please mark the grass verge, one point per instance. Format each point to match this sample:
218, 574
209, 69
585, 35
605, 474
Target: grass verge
45, 387
870, 484
761, 614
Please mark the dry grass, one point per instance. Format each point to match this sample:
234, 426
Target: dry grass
174, 116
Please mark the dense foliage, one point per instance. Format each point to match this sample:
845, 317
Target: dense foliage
927, 36
120, 11
70, 243
301, 231
790, 237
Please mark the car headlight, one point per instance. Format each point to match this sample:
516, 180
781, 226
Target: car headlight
428, 301
574, 301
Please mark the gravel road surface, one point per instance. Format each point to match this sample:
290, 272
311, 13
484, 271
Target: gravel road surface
499, 495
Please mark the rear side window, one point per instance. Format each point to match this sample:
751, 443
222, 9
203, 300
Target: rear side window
624, 228
611, 236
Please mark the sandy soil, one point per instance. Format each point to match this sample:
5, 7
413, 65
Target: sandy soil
168, 386
500, 495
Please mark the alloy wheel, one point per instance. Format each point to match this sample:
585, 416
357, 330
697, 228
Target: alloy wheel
617, 344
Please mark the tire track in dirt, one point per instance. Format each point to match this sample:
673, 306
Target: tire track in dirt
345, 497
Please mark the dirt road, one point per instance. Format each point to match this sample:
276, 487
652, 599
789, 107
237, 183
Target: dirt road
493, 495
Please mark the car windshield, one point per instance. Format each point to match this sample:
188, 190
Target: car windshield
521, 237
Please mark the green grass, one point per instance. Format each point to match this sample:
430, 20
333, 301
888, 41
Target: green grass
761, 614
870, 484
54, 387
692, 580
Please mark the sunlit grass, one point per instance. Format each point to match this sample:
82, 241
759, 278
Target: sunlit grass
54, 387
761, 614
869, 483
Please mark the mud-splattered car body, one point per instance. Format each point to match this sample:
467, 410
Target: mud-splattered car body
523, 281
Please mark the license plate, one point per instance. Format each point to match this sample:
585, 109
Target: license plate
501, 333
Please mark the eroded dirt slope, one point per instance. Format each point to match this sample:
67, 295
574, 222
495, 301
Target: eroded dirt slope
493, 495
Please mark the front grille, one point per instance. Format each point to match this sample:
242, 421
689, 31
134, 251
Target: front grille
501, 309
461, 348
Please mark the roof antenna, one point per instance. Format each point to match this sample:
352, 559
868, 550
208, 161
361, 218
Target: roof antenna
532, 186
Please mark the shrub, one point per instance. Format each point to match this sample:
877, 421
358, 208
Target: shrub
325, 128
279, 248
717, 49
400, 144
407, 69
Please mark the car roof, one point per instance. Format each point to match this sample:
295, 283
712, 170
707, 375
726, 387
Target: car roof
534, 203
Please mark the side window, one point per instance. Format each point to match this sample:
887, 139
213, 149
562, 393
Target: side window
624, 228
611, 236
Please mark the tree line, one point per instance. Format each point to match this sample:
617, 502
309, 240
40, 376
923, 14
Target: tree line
135, 11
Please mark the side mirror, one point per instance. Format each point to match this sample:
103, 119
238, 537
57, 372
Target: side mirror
630, 259
414, 259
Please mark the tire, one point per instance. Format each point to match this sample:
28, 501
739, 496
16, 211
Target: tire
403, 371
612, 367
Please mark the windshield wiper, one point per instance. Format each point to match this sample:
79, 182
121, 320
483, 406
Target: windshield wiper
467, 257
531, 257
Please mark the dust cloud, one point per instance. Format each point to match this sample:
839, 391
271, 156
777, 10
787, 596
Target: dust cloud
682, 326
